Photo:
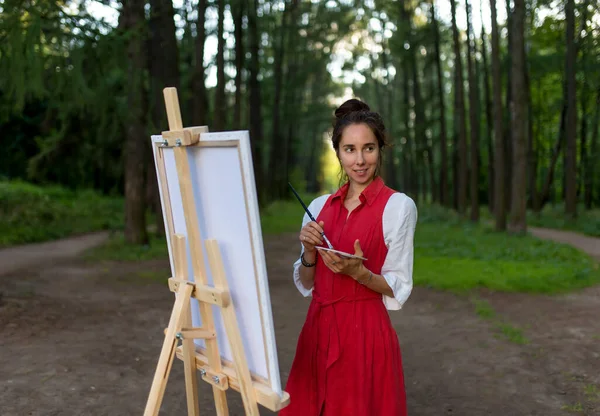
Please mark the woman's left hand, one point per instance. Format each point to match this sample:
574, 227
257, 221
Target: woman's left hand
343, 265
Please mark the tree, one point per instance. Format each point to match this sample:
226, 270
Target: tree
571, 124
443, 185
474, 116
460, 121
132, 19
519, 127
499, 207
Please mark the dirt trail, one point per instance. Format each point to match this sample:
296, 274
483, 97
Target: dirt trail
29, 255
587, 244
80, 338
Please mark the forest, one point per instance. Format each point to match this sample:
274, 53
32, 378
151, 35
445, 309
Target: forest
492, 108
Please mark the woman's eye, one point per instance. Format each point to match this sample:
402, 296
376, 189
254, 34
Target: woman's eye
370, 148
348, 149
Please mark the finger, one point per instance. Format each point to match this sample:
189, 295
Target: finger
318, 228
315, 234
357, 249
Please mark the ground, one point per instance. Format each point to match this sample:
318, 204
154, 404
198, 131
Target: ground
83, 338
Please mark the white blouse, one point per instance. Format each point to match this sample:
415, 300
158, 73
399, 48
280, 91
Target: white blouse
399, 222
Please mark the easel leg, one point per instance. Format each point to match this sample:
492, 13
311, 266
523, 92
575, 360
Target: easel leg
167, 353
189, 364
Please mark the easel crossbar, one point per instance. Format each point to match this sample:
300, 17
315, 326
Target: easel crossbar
264, 395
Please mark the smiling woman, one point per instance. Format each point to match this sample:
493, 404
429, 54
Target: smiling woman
348, 358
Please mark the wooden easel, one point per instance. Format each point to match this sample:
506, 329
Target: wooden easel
213, 370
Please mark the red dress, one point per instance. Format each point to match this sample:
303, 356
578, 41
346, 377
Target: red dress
348, 359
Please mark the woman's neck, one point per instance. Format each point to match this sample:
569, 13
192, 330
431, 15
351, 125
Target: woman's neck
354, 190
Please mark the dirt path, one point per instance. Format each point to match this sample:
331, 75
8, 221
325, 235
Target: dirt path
15, 258
587, 244
79, 338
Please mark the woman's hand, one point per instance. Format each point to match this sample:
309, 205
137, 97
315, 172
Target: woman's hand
344, 265
311, 235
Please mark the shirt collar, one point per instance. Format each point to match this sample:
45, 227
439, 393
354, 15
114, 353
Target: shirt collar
368, 195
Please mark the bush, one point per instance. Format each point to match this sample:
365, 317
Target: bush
30, 213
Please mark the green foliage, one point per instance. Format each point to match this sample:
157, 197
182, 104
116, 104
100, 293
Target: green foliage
284, 216
461, 256
553, 216
118, 250
30, 213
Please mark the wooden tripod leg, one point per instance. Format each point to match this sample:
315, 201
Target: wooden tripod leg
189, 349
167, 353
233, 332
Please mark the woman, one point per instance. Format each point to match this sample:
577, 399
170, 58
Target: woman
348, 359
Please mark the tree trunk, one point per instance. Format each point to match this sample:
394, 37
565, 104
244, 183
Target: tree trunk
499, 207
220, 114
518, 211
443, 177
463, 172
488, 117
474, 116
239, 62
276, 160
592, 182
571, 124
200, 113
256, 128
164, 72
133, 20
507, 118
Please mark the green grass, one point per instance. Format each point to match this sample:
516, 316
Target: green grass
587, 222
577, 407
30, 213
459, 256
284, 216
117, 249
483, 309
512, 333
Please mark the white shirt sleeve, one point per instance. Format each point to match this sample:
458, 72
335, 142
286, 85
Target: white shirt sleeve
399, 223
315, 208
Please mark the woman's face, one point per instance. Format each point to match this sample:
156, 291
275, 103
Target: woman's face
359, 153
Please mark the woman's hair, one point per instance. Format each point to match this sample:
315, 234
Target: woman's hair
355, 111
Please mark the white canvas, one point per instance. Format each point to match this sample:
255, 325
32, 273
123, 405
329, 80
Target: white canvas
227, 211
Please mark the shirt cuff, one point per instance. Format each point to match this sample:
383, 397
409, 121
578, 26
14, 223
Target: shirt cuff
305, 292
401, 292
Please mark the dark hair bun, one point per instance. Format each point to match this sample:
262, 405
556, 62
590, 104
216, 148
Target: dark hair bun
351, 106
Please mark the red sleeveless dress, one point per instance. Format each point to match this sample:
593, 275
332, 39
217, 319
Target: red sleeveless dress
348, 359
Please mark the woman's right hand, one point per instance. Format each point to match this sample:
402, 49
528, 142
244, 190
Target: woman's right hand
311, 235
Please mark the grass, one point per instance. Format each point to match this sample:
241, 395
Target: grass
577, 407
451, 254
587, 222
30, 213
484, 310
117, 249
512, 333
284, 216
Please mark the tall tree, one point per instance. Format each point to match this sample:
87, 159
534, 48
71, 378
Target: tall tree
519, 110
163, 64
200, 112
592, 181
474, 115
220, 113
238, 21
132, 20
459, 100
499, 207
256, 127
443, 184
488, 114
571, 125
